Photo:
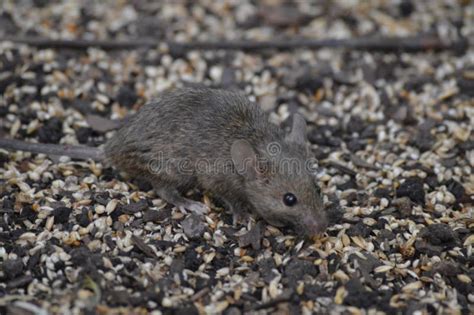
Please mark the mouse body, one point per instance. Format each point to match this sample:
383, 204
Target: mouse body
220, 142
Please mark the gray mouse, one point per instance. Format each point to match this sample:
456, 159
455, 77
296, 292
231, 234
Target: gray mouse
220, 142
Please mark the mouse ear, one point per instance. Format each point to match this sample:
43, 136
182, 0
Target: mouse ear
298, 130
244, 158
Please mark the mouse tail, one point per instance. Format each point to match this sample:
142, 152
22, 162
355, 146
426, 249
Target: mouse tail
73, 151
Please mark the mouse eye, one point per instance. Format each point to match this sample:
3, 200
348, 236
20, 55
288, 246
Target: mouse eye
289, 199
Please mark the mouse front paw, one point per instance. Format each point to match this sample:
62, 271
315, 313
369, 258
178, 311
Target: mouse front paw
240, 217
194, 206
172, 196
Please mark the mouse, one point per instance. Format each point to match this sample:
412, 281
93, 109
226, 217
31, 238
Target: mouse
217, 141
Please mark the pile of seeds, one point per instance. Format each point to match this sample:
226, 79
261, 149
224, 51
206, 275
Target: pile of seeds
393, 133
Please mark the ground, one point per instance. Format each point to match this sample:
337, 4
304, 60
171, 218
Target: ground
392, 132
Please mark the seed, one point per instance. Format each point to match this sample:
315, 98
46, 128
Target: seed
167, 302
464, 278
383, 268
99, 209
413, 286
340, 295
49, 223
341, 276
111, 205
359, 241
469, 240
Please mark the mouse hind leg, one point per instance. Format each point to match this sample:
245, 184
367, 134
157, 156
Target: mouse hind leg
170, 185
171, 195
169, 181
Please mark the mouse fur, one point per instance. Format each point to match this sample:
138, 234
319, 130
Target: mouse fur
221, 142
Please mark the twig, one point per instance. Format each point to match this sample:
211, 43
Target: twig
143, 247
387, 44
42, 42
73, 151
200, 294
283, 298
344, 169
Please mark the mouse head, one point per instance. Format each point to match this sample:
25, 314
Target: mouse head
279, 181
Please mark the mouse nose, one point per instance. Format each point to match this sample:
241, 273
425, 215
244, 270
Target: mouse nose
314, 225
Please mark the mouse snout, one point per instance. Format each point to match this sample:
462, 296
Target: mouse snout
312, 225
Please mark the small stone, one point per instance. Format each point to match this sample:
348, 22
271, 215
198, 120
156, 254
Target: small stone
193, 227
439, 234
359, 229
423, 140
101, 197
51, 131
4, 158
355, 125
350, 184
403, 205
305, 80
188, 309
156, 216
423, 247
283, 15
126, 96
358, 295
177, 266
147, 26
457, 189
412, 188
28, 213
416, 83
446, 269
19, 282
266, 266
465, 83
61, 214
382, 193
3, 109
118, 297
143, 247
297, 269
191, 259
83, 134
334, 213
101, 124
13, 268
7, 24
406, 8
232, 311
134, 207
83, 218
80, 105
386, 235
252, 237
318, 136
